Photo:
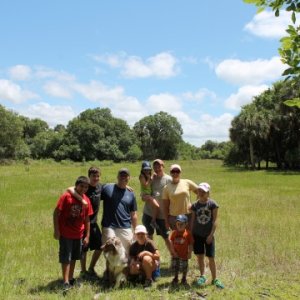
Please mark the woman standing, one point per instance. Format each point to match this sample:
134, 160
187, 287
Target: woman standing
177, 197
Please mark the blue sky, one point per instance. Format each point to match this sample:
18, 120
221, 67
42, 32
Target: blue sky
200, 61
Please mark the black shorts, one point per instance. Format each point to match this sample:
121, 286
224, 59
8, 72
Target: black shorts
95, 238
161, 230
69, 249
201, 247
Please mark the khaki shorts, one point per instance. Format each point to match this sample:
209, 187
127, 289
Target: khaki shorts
124, 234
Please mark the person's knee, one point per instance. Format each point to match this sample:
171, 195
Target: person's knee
147, 261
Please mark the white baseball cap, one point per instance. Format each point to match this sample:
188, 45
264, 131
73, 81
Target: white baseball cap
204, 186
140, 229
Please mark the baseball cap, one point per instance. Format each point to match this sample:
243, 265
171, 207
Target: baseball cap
181, 219
124, 170
204, 186
140, 229
174, 167
146, 165
158, 161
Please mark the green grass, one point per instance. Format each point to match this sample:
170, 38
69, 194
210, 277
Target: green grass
257, 239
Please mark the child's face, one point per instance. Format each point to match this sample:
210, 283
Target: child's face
180, 226
202, 194
141, 238
81, 188
94, 178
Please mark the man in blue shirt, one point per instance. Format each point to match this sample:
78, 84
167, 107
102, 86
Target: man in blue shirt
119, 210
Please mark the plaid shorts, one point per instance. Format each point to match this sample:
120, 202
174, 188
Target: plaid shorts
179, 265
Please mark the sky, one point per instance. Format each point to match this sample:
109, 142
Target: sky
199, 61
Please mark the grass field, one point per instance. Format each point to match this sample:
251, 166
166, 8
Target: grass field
257, 239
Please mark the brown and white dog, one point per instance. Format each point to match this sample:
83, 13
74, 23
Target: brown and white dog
116, 262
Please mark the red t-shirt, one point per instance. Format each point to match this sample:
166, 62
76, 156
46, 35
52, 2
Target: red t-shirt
181, 242
72, 216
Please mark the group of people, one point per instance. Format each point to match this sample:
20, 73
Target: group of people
168, 211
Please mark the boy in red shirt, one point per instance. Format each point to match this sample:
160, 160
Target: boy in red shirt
181, 248
71, 220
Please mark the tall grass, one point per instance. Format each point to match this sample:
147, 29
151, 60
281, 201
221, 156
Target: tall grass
257, 239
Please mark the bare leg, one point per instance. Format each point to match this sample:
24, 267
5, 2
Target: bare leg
65, 271
72, 267
83, 262
201, 263
212, 266
148, 266
94, 259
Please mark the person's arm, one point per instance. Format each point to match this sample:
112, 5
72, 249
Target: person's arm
73, 192
56, 214
134, 219
154, 256
87, 226
166, 203
214, 226
172, 250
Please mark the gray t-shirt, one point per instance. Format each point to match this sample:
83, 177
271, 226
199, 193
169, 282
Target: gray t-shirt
157, 186
203, 217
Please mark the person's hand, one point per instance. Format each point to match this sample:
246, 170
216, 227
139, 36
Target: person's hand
85, 241
209, 239
174, 254
84, 202
167, 225
189, 255
56, 235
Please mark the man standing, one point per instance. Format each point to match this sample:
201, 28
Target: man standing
159, 180
119, 210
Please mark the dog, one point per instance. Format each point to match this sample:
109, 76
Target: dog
116, 262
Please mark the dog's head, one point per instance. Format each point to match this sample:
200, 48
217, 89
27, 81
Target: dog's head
112, 245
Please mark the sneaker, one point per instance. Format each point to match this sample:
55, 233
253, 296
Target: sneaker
216, 282
148, 283
156, 273
75, 283
201, 281
66, 287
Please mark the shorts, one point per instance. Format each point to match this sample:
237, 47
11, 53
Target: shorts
69, 249
172, 221
179, 265
124, 234
201, 247
161, 230
95, 238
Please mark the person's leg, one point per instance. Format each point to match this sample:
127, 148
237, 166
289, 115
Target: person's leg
201, 263
65, 267
146, 220
94, 259
175, 268
71, 269
126, 236
184, 268
148, 266
212, 267
83, 262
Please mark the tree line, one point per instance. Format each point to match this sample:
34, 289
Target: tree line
96, 135
266, 130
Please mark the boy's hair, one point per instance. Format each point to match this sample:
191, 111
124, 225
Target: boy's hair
82, 179
93, 170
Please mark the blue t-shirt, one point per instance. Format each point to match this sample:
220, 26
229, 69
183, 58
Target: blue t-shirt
117, 206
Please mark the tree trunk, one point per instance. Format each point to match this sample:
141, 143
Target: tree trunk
251, 153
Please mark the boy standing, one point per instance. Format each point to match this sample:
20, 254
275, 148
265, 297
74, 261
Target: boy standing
181, 248
71, 220
204, 223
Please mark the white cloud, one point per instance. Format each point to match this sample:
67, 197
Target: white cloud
56, 89
162, 65
267, 25
45, 73
207, 127
250, 72
163, 102
244, 96
199, 95
52, 114
97, 91
14, 93
20, 72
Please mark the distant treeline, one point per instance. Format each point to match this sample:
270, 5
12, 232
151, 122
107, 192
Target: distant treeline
265, 130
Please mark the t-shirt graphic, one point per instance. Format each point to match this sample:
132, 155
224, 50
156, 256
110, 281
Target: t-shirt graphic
203, 215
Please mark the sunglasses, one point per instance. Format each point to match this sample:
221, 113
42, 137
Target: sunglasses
175, 171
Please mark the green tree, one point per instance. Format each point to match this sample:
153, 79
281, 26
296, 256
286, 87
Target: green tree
159, 135
290, 44
11, 143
